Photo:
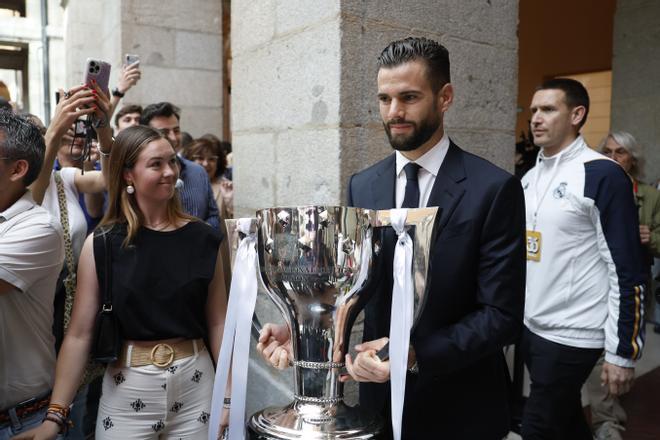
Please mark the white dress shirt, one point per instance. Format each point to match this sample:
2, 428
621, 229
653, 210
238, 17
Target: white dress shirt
430, 164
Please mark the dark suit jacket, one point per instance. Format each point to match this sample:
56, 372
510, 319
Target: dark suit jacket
475, 303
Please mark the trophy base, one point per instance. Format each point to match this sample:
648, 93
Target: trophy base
314, 422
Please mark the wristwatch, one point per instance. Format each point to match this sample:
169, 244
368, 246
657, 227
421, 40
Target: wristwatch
117, 93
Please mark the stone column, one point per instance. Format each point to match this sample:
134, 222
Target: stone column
635, 73
304, 110
179, 43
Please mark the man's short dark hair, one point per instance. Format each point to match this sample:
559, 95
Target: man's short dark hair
127, 110
160, 109
410, 49
21, 140
576, 94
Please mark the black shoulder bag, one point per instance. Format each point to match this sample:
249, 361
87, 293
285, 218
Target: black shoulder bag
106, 345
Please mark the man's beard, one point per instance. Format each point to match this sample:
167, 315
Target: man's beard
419, 136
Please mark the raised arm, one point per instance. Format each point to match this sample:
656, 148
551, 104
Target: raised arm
70, 108
93, 182
93, 202
128, 77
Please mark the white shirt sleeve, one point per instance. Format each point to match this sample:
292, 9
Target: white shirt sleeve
28, 251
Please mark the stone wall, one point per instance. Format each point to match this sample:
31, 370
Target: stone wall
285, 103
635, 73
179, 43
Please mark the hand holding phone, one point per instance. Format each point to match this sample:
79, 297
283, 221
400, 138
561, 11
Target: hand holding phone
130, 73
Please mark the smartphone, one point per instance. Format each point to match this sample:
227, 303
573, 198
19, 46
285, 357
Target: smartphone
97, 70
131, 59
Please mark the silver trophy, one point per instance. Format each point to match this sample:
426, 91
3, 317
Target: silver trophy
318, 264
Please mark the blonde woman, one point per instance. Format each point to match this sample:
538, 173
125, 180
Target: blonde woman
168, 295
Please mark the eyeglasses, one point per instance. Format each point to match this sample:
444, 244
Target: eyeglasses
203, 158
5, 158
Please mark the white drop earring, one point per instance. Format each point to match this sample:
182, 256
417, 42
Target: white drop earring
130, 189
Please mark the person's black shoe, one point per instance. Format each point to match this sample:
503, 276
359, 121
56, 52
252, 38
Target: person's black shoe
656, 328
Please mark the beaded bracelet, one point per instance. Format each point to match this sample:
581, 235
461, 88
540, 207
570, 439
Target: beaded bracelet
60, 415
226, 404
59, 409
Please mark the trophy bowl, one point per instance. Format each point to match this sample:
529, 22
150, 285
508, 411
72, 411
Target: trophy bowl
319, 264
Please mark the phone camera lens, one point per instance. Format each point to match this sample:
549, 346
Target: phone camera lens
91, 70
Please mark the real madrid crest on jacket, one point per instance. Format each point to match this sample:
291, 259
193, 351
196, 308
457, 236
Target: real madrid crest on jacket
585, 281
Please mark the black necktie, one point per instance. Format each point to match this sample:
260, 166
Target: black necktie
411, 197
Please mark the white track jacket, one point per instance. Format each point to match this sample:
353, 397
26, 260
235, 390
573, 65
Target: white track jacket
587, 289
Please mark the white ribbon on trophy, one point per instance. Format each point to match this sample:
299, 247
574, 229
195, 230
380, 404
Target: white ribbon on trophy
235, 346
401, 317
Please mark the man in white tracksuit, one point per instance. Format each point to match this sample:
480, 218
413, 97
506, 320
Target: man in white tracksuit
585, 275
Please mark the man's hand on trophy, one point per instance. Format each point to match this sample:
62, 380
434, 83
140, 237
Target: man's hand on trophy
275, 345
367, 366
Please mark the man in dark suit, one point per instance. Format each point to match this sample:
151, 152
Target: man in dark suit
458, 387
458, 384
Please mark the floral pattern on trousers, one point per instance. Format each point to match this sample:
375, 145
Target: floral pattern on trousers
150, 402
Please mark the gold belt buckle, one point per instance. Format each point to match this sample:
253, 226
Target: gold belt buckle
169, 360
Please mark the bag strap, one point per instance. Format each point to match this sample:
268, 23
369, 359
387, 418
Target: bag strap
107, 289
69, 281
64, 221
101, 239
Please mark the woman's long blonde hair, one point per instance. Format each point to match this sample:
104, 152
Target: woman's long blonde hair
123, 207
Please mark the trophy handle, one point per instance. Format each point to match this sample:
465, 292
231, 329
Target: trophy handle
234, 237
425, 221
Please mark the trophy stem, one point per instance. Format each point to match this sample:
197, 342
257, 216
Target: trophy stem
318, 382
